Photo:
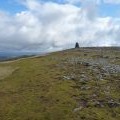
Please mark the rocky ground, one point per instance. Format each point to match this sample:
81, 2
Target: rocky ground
96, 73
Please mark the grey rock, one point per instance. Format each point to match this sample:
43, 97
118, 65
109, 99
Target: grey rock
67, 77
78, 109
113, 103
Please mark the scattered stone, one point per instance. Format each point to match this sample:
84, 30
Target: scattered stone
85, 54
83, 78
70, 77
66, 77
78, 109
84, 103
111, 69
99, 104
93, 74
117, 57
86, 64
106, 57
85, 88
94, 95
112, 104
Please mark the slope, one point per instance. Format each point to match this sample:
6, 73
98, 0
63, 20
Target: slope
75, 84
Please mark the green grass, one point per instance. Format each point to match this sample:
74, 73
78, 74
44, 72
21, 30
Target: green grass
36, 89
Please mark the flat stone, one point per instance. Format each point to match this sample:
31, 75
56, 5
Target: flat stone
78, 109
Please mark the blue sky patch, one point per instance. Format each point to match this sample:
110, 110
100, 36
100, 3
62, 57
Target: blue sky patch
13, 6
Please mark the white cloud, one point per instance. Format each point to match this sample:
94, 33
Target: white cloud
93, 1
51, 26
81, 1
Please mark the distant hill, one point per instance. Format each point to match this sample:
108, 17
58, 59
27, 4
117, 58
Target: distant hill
15, 55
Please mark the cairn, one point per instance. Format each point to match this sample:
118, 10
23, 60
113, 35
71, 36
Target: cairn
77, 45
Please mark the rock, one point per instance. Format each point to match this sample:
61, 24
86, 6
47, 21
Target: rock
85, 54
66, 78
94, 95
86, 64
84, 103
106, 57
78, 109
70, 77
117, 57
99, 103
85, 88
83, 78
112, 104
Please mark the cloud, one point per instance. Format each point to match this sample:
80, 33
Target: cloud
93, 1
49, 26
83, 1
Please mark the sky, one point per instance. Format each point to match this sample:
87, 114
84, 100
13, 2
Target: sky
50, 25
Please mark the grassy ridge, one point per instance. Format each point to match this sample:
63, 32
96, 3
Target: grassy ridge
60, 86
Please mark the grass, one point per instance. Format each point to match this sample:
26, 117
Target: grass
6, 71
35, 88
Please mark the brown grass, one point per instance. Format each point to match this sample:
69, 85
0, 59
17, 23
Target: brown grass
6, 71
